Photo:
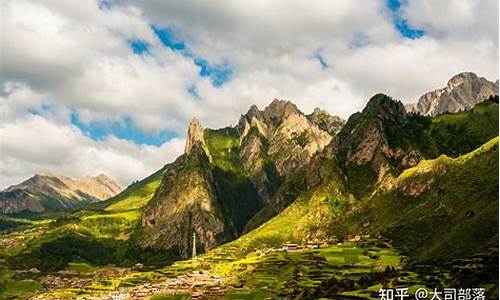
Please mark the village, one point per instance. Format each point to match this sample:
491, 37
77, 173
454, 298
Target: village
198, 284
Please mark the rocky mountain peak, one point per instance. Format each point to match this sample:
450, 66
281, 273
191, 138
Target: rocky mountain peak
384, 107
194, 135
329, 123
318, 111
253, 111
462, 78
363, 146
268, 119
278, 110
463, 91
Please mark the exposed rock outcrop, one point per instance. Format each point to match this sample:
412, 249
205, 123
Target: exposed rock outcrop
291, 138
280, 139
199, 193
462, 92
325, 121
194, 135
186, 202
363, 143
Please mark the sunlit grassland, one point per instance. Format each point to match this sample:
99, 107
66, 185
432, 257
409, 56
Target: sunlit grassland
223, 145
276, 273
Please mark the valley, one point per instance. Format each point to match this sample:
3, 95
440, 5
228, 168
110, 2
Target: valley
283, 205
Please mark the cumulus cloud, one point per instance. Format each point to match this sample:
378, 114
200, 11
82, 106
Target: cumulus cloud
33, 144
58, 58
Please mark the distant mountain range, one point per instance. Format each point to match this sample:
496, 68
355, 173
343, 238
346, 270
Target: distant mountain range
50, 191
462, 92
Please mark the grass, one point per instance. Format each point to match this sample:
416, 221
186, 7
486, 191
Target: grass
236, 193
223, 145
136, 195
283, 274
441, 209
109, 225
80, 267
15, 287
459, 133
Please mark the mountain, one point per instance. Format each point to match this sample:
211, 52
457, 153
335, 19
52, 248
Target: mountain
462, 92
325, 121
396, 199
431, 223
384, 139
231, 180
49, 191
226, 176
439, 210
367, 146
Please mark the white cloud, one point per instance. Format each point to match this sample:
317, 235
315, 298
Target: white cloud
33, 144
472, 19
66, 57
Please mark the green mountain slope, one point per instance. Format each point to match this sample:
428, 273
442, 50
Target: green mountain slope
462, 132
441, 209
435, 225
383, 139
135, 195
395, 199
99, 235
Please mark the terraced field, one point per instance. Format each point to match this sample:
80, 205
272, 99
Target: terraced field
353, 271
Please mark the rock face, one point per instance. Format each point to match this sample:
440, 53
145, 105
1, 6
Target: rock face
56, 192
462, 92
291, 138
186, 203
363, 147
227, 175
278, 140
325, 121
194, 135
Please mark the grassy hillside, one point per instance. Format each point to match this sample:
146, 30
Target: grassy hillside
236, 194
99, 236
452, 134
441, 209
308, 218
462, 132
434, 225
135, 196
443, 189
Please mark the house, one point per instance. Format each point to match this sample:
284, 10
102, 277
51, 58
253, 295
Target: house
291, 247
313, 245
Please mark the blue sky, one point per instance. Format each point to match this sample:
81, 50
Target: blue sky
218, 73
124, 129
322, 61
139, 47
401, 25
